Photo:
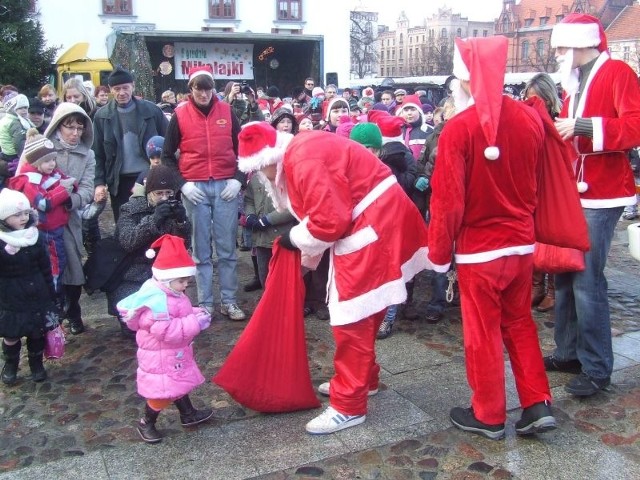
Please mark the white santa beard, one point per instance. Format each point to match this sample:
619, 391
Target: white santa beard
461, 99
277, 189
568, 75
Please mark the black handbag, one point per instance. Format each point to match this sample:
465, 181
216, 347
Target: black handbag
106, 266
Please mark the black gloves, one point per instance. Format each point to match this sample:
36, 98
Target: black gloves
161, 213
251, 221
179, 213
285, 241
257, 223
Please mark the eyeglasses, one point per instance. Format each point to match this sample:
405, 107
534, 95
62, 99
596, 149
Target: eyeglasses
163, 194
73, 128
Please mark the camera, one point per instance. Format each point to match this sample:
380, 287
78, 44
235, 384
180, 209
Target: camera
174, 206
245, 88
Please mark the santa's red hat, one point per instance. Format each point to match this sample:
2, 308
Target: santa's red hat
390, 128
579, 30
259, 145
483, 62
373, 115
201, 70
173, 260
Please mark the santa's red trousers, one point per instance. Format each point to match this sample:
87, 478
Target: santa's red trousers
356, 370
495, 298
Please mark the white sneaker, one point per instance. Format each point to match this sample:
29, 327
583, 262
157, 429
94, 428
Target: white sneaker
323, 388
232, 311
331, 421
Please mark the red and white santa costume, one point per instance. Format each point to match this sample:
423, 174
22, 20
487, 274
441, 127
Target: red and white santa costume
347, 201
482, 212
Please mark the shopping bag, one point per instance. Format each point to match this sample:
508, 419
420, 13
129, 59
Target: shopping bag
553, 259
559, 219
268, 369
54, 343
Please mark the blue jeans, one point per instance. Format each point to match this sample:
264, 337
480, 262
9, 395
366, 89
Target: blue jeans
582, 322
214, 220
438, 301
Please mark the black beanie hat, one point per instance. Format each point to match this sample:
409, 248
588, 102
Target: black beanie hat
273, 92
36, 105
160, 177
119, 76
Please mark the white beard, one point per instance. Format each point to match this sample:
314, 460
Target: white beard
461, 99
568, 76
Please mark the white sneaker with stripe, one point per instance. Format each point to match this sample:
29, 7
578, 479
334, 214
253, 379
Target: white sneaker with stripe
324, 389
331, 421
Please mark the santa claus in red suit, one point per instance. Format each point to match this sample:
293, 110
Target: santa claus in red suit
600, 118
349, 202
482, 206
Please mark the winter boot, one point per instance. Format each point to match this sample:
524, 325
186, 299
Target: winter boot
74, 314
409, 311
189, 416
537, 288
11, 354
254, 284
147, 426
549, 300
35, 346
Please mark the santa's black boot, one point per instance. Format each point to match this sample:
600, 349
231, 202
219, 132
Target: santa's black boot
35, 346
147, 426
11, 354
189, 416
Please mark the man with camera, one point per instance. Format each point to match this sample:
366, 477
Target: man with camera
243, 102
143, 219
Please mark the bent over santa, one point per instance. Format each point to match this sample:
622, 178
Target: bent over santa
349, 202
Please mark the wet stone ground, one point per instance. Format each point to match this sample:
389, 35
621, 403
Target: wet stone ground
89, 401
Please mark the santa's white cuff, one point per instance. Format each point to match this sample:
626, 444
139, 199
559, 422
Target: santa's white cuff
301, 237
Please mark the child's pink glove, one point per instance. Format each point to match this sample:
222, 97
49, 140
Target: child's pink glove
203, 317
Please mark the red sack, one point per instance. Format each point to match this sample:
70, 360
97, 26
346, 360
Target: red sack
268, 369
554, 259
559, 219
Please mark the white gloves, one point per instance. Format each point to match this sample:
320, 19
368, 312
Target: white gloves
204, 319
193, 193
231, 190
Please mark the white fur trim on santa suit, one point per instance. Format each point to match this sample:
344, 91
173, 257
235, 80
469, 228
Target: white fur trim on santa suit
390, 293
301, 237
173, 273
598, 134
575, 35
386, 140
356, 241
264, 156
375, 193
489, 255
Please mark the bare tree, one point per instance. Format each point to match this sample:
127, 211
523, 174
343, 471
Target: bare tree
439, 55
541, 60
363, 42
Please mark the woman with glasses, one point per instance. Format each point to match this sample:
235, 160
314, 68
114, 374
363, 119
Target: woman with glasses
143, 219
71, 132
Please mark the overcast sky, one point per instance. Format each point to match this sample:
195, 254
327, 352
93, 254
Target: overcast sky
417, 10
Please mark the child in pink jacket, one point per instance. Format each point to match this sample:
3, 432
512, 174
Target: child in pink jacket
166, 324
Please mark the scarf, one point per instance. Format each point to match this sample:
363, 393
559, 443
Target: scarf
16, 239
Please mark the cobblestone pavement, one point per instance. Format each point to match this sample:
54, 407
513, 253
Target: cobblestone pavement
89, 402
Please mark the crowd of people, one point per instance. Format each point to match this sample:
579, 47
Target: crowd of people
344, 177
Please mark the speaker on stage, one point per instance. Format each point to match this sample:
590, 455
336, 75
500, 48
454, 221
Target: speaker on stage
331, 77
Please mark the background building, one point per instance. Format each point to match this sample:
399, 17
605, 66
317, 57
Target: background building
528, 26
426, 49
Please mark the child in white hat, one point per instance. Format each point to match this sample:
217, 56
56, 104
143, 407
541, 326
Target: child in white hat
26, 287
166, 324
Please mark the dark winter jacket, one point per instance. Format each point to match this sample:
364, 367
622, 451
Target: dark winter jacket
136, 231
26, 285
108, 138
399, 159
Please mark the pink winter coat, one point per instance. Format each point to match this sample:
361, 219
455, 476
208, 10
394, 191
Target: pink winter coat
166, 325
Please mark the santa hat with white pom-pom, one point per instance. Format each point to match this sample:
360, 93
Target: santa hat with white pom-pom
173, 260
482, 61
